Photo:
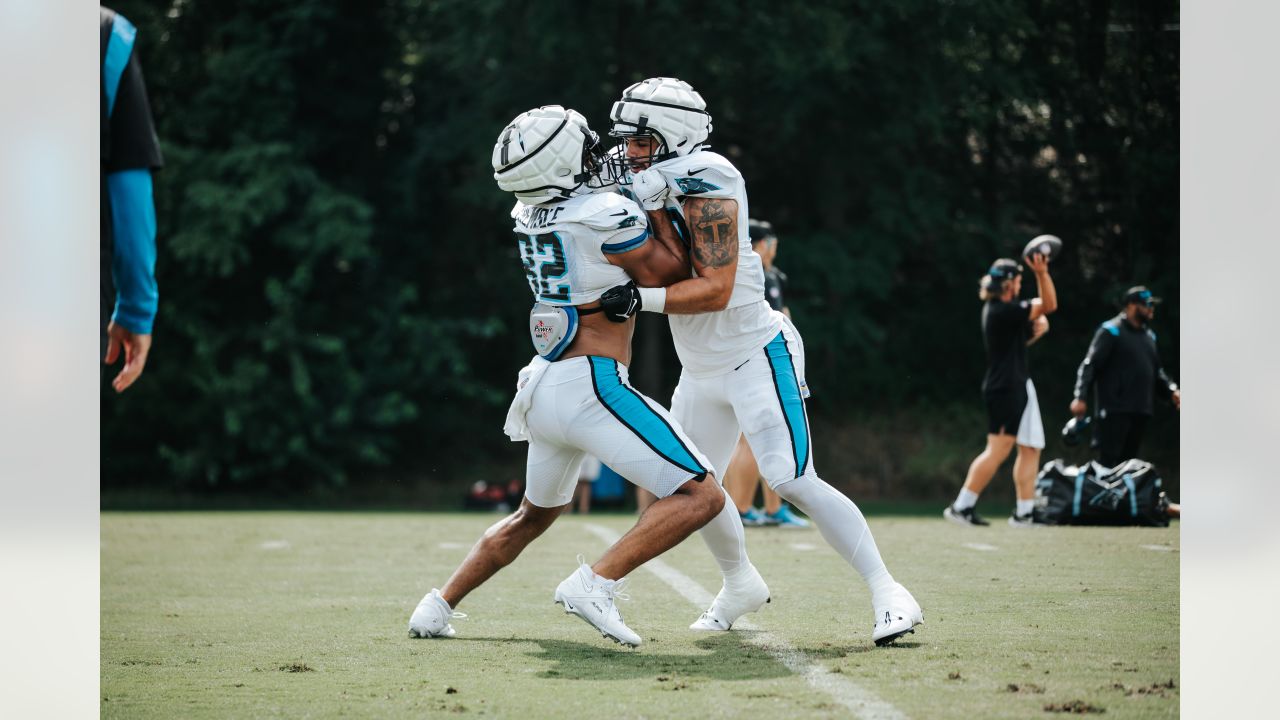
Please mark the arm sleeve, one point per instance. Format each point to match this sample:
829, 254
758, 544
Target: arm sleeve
133, 262
1099, 351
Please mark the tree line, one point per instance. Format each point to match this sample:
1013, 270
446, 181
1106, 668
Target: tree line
341, 296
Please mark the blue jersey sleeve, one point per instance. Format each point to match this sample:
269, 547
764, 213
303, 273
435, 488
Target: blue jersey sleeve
133, 221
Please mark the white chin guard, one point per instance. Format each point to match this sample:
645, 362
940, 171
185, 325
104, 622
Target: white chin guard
552, 329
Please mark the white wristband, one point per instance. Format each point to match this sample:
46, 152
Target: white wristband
653, 299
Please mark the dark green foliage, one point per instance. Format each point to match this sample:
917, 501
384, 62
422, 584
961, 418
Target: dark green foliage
339, 290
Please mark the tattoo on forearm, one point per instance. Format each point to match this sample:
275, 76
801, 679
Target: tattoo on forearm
714, 242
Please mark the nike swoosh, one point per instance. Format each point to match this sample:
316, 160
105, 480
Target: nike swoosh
695, 172
620, 214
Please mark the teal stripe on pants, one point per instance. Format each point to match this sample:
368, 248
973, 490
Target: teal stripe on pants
632, 411
787, 384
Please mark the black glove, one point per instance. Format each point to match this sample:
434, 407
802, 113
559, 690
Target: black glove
620, 302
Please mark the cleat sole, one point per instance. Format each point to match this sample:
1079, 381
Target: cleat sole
890, 638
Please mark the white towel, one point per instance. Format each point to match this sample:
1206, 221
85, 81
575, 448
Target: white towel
515, 426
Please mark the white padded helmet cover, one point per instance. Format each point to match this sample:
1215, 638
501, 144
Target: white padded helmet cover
538, 156
668, 106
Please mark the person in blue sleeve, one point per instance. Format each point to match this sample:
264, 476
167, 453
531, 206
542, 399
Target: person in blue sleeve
130, 152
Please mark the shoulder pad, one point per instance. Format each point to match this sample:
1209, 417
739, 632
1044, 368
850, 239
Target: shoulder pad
701, 174
610, 211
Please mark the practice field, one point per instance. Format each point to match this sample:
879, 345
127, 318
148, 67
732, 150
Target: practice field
222, 615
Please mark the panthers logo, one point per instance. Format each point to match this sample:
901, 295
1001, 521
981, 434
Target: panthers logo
628, 222
695, 186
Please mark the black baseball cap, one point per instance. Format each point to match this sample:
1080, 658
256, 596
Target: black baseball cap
1141, 295
760, 230
1005, 269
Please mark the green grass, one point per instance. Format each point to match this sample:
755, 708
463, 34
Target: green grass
213, 615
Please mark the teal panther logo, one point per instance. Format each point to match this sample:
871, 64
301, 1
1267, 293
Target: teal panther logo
628, 222
695, 186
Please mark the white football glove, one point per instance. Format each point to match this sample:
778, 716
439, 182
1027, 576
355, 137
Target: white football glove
650, 189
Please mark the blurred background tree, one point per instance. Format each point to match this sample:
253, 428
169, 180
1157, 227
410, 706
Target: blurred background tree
342, 307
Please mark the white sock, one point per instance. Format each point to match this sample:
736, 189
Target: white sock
725, 538
1025, 506
842, 526
966, 499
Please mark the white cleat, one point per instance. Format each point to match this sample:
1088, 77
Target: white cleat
896, 615
745, 592
592, 599
431, 617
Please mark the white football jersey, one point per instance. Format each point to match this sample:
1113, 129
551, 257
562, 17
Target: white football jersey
716, 342
563, 245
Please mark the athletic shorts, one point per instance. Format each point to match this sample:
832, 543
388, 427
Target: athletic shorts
585, 405
763, 398
1016, 411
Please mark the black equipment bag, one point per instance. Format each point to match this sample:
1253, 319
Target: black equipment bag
1127, 494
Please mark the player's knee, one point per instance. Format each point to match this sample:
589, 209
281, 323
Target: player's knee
708, 494
531, 518
776, 468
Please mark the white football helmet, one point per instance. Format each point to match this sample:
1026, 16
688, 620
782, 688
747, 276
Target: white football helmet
667, 109
548, 153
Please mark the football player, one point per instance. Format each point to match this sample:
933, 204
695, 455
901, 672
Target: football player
576, 240
743, 362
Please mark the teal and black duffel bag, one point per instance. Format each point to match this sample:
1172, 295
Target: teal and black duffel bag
1127, 494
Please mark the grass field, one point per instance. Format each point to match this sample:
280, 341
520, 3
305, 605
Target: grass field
228, 615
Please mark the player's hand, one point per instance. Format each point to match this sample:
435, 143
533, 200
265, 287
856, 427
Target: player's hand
1177, 399
1038, 262
135, 347
650, 189
1079, 408
621, 302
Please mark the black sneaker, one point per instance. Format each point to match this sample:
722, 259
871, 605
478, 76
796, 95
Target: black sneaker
963, 517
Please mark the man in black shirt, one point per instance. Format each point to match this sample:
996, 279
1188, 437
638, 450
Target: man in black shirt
130, 151
1122, 361
1009, 325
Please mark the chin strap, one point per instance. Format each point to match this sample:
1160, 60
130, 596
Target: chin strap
590, 311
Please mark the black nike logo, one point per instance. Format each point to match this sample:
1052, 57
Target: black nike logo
620, 214
695, 172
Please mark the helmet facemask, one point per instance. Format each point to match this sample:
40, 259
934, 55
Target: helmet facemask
624, 164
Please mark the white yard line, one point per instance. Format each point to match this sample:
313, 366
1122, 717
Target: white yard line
859, 700
981, 546
1157, 548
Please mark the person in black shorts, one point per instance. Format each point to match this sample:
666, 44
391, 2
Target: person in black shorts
1123, 362
1009, 325
130, 152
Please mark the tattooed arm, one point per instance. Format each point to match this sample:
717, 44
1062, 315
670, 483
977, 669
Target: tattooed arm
713, 222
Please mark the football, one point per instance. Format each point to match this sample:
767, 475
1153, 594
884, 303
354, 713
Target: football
1047, 245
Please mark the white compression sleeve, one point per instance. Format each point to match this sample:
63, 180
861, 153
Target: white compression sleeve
842, 526
725, 538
